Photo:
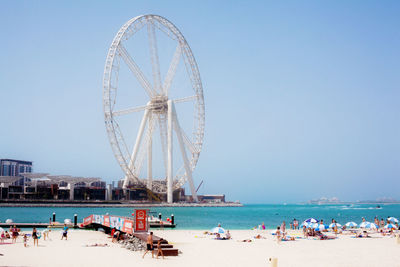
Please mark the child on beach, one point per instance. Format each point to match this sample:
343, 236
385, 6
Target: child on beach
25, 239
65, 232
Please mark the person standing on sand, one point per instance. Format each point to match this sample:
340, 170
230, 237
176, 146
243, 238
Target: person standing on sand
278, 234
65, 232
283, 226
149, 245
25, 239
14, 232
35, 237
159, 250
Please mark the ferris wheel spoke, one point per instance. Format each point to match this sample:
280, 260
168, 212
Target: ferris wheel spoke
135, 70
128, 111
154, 56
162, 124
187, 164
138, 140
185, 99
143, 151
172, 69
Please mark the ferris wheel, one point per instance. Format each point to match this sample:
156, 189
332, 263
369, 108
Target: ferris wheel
165, 110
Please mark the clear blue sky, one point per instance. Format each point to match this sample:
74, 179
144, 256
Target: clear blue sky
302, 97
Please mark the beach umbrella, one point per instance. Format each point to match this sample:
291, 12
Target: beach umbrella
319, 226
393, 220
218, 230
368, 225
333, 225
364, 224
351, 224
306, 224
311, 220
1, 230
390, 226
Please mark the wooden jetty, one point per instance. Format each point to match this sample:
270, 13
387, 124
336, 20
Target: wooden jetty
167, 249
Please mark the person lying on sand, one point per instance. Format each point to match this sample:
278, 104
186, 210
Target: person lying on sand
97, 245
322, 236
245, 240
259, 237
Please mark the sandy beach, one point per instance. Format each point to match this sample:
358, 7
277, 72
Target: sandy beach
202, 250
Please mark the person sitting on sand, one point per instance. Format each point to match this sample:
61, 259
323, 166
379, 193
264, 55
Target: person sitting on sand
228, 235
305, 232
159, 249
115, 236
7, 235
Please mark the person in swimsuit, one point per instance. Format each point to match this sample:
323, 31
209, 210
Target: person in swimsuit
159, 250
25, 239
149, 245
14, 232
35, 237
278, 234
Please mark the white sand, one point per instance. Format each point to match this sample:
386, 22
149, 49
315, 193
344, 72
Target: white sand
201, 250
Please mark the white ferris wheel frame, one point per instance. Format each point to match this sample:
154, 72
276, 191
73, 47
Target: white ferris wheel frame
159, 110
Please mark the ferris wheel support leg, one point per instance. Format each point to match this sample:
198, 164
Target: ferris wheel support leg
169, 157
137, 145
184, 155
149, 160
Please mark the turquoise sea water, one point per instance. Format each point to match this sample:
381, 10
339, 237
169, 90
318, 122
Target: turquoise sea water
207, 217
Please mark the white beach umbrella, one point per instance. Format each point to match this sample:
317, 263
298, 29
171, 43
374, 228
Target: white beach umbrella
218, 230
320, 227
351, 224
1, 230
393, 220
369, 225
335, 224
390, 226
364, 224
306, 224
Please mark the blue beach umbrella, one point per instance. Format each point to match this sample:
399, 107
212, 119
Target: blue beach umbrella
218, 230
393, 220
390, 226
319, 227
335, 224
311, 220
351, 224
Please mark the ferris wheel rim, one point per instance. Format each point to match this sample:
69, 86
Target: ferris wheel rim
112, 125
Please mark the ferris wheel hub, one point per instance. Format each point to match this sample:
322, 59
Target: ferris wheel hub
158, 104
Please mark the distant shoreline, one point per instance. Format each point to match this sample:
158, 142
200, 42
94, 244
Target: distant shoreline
117, 205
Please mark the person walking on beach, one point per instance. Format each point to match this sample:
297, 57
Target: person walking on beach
65, 232
35, 237
159, 250
25, 239
149, 245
